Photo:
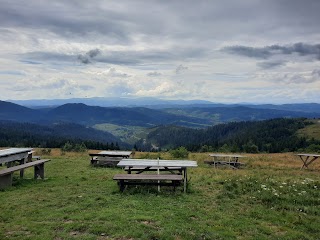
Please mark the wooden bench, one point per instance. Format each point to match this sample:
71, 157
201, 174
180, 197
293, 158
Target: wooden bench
105, 161
139, 170
6, 174
219, 163
148, 179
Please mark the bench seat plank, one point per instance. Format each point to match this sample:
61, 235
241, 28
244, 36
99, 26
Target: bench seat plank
148, 179
156, 177
6, 174
23, 166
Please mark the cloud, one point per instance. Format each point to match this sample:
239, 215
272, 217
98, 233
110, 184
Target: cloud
180, 69
154, 74
271, 64
12, 72
302, 49
88, 56
114, 73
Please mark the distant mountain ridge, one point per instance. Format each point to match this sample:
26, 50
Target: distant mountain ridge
198, 117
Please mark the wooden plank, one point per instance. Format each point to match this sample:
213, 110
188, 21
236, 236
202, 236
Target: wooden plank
13, 151
22, 166
136, 168
308, 155
125, 154
157, 163
156, 177
226, 155
13, 157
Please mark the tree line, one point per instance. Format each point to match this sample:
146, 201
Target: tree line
275, 135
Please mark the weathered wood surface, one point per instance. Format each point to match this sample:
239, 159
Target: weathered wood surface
138, 170
14, 154
155, 177
216, 163
23, 166
124, 154
105, 161
226, 155
6, 174
148, 179
156, 163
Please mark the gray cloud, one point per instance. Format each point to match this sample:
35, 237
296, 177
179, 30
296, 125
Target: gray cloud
181, 69
302, 49
88, 56
154, 74
271, 64
117, 57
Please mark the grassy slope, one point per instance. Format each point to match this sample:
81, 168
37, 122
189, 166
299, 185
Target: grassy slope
311, 131
271, 198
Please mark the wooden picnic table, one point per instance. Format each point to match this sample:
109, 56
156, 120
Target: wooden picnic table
24, 157
108, 158
10, 155
307, 159
154, 163
231, 160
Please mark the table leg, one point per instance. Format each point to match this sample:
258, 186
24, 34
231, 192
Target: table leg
306, 163
185, 180
22, 161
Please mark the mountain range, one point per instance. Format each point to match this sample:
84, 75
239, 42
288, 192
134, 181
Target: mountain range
187, 114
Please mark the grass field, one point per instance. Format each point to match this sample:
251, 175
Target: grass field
270, 198
311, 131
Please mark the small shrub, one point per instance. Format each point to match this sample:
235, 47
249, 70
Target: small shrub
180, 152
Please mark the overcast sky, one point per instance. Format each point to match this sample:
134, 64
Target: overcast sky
227, 51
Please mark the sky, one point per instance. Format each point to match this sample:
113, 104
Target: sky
230, 51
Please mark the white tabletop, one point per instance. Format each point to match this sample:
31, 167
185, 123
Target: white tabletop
226, 155
113, 153
155, 163
308, 155
12, 151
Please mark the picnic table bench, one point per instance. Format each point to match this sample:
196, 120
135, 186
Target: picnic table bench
216, 163
139, 170
6, 174
148, 179
145, 165
108, 158
231, 160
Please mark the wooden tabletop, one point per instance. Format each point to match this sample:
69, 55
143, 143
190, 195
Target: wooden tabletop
156, 163
308, 155
112, 153
226, 155
13, 151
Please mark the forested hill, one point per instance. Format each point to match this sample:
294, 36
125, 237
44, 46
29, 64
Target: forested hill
31, 135
276, 135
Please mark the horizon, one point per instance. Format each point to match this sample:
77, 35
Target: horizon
253, 52
159, 101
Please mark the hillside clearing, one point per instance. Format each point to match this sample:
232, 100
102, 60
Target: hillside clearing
270, 198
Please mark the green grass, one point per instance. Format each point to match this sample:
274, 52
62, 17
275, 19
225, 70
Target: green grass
270, 198
311, 131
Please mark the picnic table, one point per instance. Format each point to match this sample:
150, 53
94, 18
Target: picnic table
11, 155
108, 158
231, 160
24, 157
148, 164
307, 159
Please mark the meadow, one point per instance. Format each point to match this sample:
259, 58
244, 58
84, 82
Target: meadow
269, 198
